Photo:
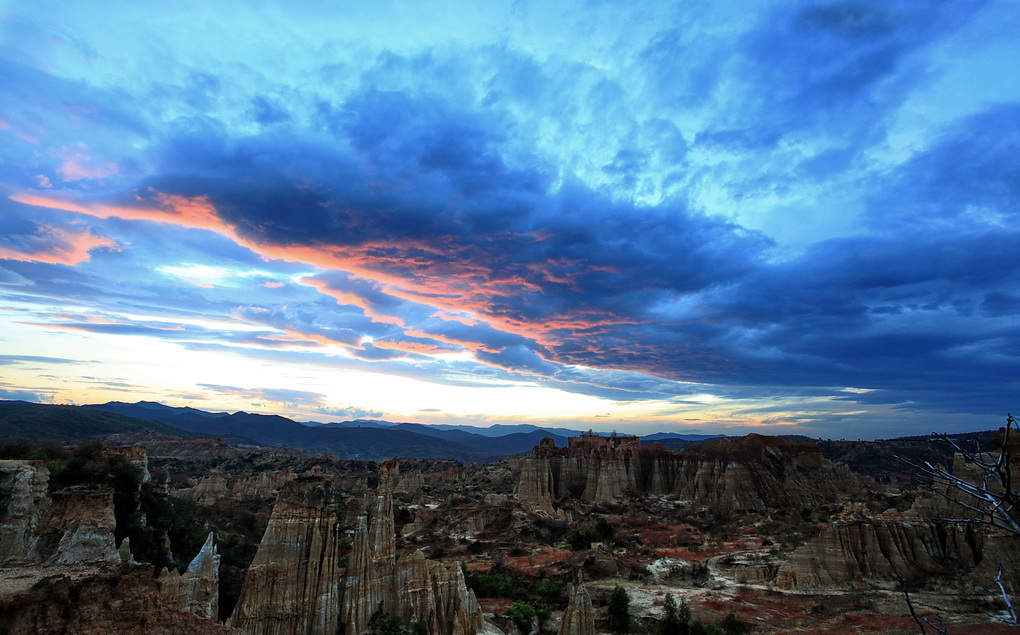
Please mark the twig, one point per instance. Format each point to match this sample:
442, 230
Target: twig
922, 622
1010, 610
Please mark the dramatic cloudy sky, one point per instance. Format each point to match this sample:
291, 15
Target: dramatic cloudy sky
708, 216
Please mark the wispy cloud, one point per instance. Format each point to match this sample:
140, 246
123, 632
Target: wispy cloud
741, 204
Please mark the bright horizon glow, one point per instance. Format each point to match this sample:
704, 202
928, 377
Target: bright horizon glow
793, 218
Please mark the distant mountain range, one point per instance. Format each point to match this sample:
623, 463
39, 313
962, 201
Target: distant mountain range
38, 422
361, 438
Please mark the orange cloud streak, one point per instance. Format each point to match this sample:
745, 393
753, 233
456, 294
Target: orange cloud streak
58, 246
453, 289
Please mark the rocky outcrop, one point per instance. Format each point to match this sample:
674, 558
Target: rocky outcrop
190, 448
412, 589
752, 473
137, 456
294, 582
579, 616
78, 599
23, 504
197, 589
210, 489
535, 486
370, 585
861, 549
436, 595
79, 527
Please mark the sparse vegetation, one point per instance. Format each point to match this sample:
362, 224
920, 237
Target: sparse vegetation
522, 614
516, 560
618, 611
383, 623
679, 620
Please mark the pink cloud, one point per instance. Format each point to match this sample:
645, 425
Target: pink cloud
56, 245
416, 271
77, 165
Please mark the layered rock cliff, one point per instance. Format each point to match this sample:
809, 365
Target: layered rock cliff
413, 589
436, 595
93, 598
23, 505
294, 582
84, 521
300, 581
862, 549
751, 473
369, 583
240, 489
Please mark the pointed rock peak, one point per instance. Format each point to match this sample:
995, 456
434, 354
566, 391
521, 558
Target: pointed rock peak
124, 551
388, 472
579, 616
208, 556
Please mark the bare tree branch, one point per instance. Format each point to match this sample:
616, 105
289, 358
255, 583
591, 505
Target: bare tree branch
922, 622
987, 491
1010, 610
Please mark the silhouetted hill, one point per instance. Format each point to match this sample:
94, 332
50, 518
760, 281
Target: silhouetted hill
374, 442
698, 438
43, 422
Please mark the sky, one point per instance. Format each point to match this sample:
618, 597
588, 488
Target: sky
699, 216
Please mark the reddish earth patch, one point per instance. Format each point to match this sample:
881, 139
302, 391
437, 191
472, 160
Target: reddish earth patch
494, 605
671, 536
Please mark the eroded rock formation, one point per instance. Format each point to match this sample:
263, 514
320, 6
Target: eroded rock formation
95, 598
579, 616
197, 589
864, 549
751, 473
79, 527
211, 489
294, 582
23, 505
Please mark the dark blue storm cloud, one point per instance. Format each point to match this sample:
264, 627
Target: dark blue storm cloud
782, 203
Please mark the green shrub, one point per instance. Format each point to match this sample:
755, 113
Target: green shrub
579, 541
733, 625
521, 613
491, 585
603, 530
383, 623
549, 590
619, 611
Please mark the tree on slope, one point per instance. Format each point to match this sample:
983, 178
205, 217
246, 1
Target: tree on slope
619, 611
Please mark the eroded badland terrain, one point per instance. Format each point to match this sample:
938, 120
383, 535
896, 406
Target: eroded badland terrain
754, 534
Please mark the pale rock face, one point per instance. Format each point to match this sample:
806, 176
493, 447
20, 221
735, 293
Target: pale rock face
24, 503
861, 550
95, 598
412, 588
212, 488
197, 589
85, 522
294, 582
579, 617
750, 474
535, 485
436, 594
